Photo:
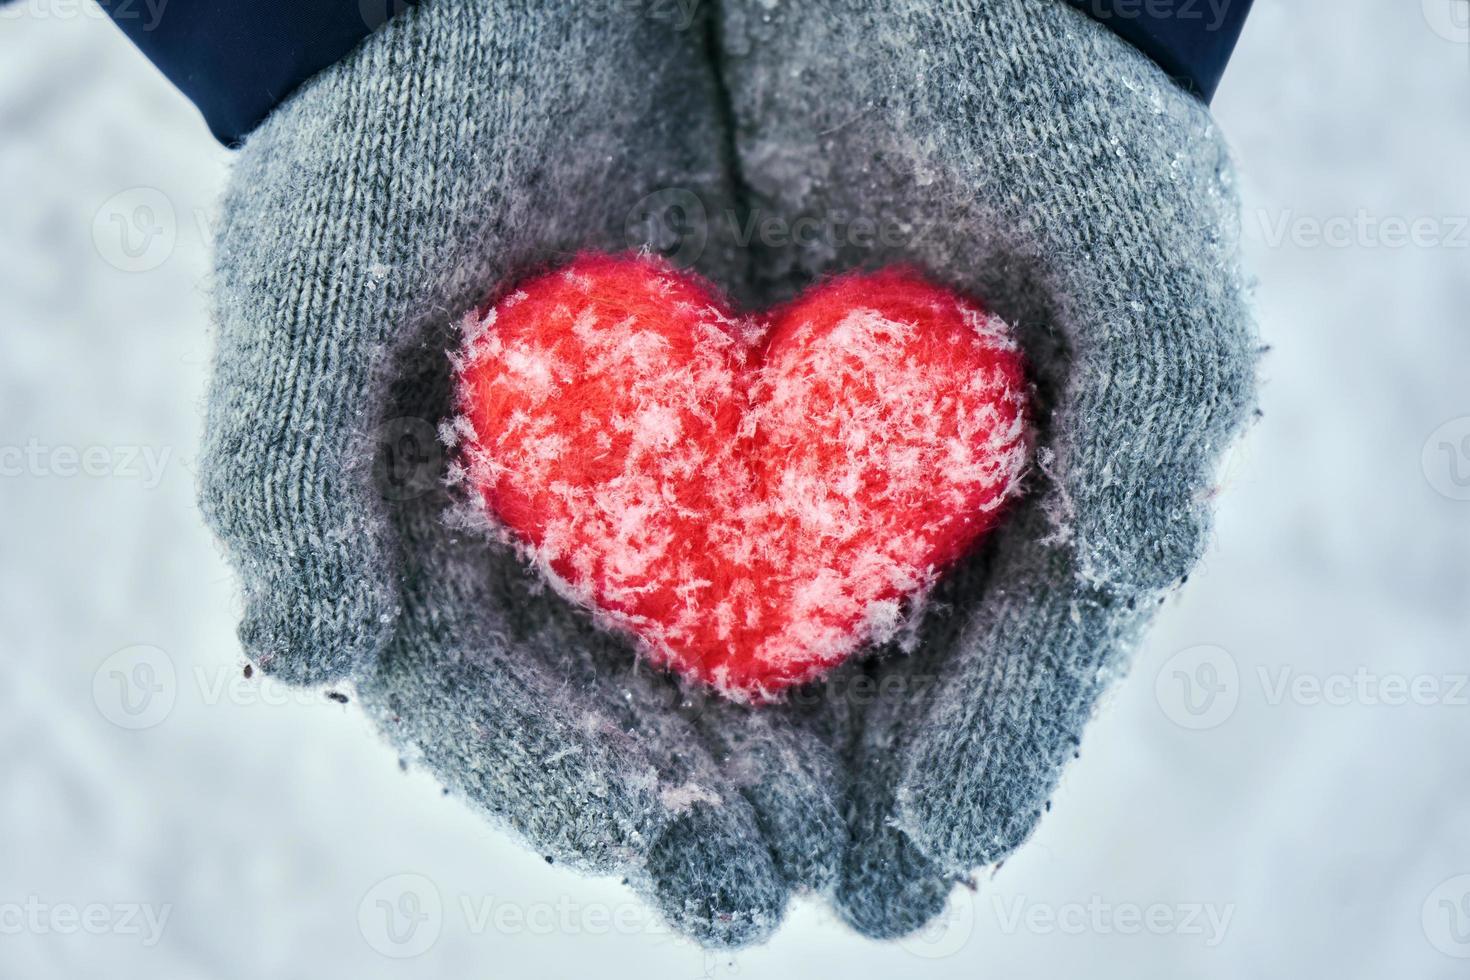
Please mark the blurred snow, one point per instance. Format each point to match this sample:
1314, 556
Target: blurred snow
1280, 788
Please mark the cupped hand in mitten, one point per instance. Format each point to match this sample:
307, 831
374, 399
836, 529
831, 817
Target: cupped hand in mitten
1014, 150
1022, 153
465, 144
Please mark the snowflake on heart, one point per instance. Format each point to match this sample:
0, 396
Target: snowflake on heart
751, 498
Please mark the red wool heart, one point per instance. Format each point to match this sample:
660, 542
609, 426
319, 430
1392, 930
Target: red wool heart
751, 498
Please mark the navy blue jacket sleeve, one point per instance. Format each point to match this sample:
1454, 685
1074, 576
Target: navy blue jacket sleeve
238, 59
1191, 40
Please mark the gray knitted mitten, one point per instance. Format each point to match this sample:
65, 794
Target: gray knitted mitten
466, 143
1023, 153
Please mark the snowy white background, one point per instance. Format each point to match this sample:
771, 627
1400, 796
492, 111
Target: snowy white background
1304, 822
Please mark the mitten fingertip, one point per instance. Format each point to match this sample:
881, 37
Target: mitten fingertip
304, 634
711, 876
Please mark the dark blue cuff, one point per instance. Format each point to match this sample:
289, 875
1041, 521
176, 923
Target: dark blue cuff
1191, 40
239, 59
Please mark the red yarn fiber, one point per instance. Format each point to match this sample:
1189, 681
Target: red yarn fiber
752, 498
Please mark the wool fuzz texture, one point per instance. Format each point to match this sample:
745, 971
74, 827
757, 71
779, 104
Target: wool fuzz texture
383, 201
751, 497
1022, 153
1011, 149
